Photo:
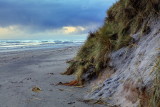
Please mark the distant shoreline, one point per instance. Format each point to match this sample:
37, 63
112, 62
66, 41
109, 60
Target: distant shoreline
40, 49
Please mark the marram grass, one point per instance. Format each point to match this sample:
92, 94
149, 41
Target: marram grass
124, 18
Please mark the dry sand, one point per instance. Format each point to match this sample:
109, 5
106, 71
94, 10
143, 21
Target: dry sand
23, 70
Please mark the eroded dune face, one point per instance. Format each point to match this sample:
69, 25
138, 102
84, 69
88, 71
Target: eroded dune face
134, 70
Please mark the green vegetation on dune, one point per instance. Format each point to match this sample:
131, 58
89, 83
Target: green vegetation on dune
124, 18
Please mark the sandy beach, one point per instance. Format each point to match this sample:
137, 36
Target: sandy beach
23, 70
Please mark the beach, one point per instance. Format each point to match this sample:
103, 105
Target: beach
21, 71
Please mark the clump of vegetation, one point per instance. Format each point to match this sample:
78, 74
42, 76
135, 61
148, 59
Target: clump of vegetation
124, 18
150, 96
155, 95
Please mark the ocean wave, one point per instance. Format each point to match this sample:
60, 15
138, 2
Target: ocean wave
30, 44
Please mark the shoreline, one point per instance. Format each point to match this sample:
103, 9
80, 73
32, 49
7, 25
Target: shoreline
39, 48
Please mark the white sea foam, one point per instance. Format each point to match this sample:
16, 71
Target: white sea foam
14, 45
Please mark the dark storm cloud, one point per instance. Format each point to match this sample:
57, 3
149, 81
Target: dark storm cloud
48, 14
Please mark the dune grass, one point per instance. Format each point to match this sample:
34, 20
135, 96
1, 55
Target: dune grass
124, 18
155, 95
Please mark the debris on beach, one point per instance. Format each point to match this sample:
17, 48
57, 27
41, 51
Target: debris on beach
51, 73
71, 102
36, 89
71, 83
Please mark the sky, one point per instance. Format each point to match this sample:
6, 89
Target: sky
51, 19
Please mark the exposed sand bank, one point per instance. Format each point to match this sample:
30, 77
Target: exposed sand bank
21, 71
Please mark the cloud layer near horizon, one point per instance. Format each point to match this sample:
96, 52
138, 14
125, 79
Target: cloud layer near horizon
36, 16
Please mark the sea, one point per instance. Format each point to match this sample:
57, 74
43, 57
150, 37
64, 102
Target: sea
20, 45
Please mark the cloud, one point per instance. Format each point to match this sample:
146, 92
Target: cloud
71, 29
9, 30
38, 19
48, 14
18, 32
